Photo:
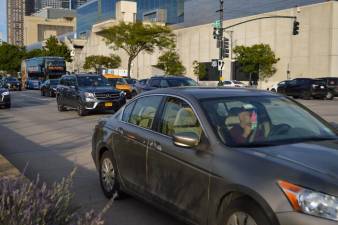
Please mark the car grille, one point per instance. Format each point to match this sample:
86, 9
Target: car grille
107, 96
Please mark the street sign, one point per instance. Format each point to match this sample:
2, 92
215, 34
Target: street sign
220, 65
217, 24
214, 63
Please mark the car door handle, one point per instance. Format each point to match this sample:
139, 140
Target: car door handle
120, 131
155, 145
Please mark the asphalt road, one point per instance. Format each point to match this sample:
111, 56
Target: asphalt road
38, 139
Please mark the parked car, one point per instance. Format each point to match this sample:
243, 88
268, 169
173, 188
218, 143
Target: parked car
120, 84
222, 155
279, 87
5, 98
139, 85
12, 83
167, 81
305, 88
48, 88
332, 87
233, 83
88, 92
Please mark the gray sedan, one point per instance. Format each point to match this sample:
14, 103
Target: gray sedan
222, 156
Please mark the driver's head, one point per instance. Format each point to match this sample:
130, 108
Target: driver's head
244, 118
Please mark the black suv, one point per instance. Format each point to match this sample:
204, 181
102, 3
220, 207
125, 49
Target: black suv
305, 88
87, 92
167, 81
332, 87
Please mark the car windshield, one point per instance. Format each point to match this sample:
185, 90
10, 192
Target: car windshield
181, 82
264, 121
92, 81
54, 82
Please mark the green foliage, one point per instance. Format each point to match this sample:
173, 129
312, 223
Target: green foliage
56, 48
25, 202
199, 70
10, 57
34, 53
259, 59
97, 61
134, 38
170, 63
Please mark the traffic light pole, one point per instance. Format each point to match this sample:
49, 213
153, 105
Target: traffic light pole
221, 18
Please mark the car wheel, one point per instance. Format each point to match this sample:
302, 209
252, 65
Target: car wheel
50, 94
273, 90
42, 93
108, 177
244, 211
329, 95
61, 108
81, 110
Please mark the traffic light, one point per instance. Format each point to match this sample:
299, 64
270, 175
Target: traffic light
216, 33
226, 48
295, 27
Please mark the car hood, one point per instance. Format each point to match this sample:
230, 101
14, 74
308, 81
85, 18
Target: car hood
2, 90
99, 89
321, 156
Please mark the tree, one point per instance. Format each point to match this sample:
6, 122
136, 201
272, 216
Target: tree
199, 70
54, 47
170, 63
134, 38
34, 53
11, 57
257, 59
98, 61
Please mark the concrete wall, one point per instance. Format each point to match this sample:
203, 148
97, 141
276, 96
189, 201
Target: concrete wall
313, 53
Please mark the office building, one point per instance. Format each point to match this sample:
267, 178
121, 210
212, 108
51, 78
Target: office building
48, 22
15, 17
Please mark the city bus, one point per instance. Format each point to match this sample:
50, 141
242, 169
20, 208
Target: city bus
36, 70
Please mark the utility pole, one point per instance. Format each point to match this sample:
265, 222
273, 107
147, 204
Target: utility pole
221, 18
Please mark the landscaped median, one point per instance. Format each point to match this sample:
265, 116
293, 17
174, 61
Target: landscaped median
34, 202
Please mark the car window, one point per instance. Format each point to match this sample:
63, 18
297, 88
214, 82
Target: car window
144, 111
155, 83
178, 117
71, 81
227, 82
127, 112
164, 84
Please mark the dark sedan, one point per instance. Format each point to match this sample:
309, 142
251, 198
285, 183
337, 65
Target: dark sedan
12, 83
222, 156
156, 82
5, 98
48, 88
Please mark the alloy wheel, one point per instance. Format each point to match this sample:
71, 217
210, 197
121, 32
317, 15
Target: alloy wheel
107, 175
240, 218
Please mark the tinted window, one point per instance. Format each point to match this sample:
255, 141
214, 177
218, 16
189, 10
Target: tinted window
127, 112
71, 81
144, 111
92, 81
155, 83
227, 82
54, 82
181, 82
178, 117
164, 84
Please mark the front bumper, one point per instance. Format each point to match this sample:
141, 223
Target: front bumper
295, 218
105, 104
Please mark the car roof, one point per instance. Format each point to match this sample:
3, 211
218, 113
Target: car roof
169, 77
211, 92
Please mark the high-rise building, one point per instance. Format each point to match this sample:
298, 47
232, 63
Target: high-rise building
30, 7
15, 19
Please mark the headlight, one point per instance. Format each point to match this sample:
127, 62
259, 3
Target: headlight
311, 202
89, 95
5, 93
54, 89
122, 93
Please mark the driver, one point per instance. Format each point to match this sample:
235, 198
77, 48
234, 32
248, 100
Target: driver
246, 131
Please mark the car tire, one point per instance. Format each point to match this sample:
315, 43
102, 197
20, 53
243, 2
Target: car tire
81, 110
273, 90
329, 95
108, 177
248, 209
42, 93
61, 107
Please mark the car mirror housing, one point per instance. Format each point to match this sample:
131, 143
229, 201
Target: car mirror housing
186, 139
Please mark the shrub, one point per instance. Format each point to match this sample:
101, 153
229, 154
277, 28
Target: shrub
35, 203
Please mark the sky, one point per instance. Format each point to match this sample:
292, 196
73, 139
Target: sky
3, 19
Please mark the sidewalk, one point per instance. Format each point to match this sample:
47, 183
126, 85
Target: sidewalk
7, 169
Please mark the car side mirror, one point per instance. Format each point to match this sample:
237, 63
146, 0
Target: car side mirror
186, 139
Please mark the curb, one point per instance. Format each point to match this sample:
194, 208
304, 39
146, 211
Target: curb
7, 169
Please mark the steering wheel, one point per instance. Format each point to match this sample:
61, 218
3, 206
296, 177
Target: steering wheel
279, 129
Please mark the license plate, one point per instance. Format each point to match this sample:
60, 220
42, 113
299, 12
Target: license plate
108, 104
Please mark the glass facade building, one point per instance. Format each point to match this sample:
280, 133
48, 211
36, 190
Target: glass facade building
93, 12
168, 11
